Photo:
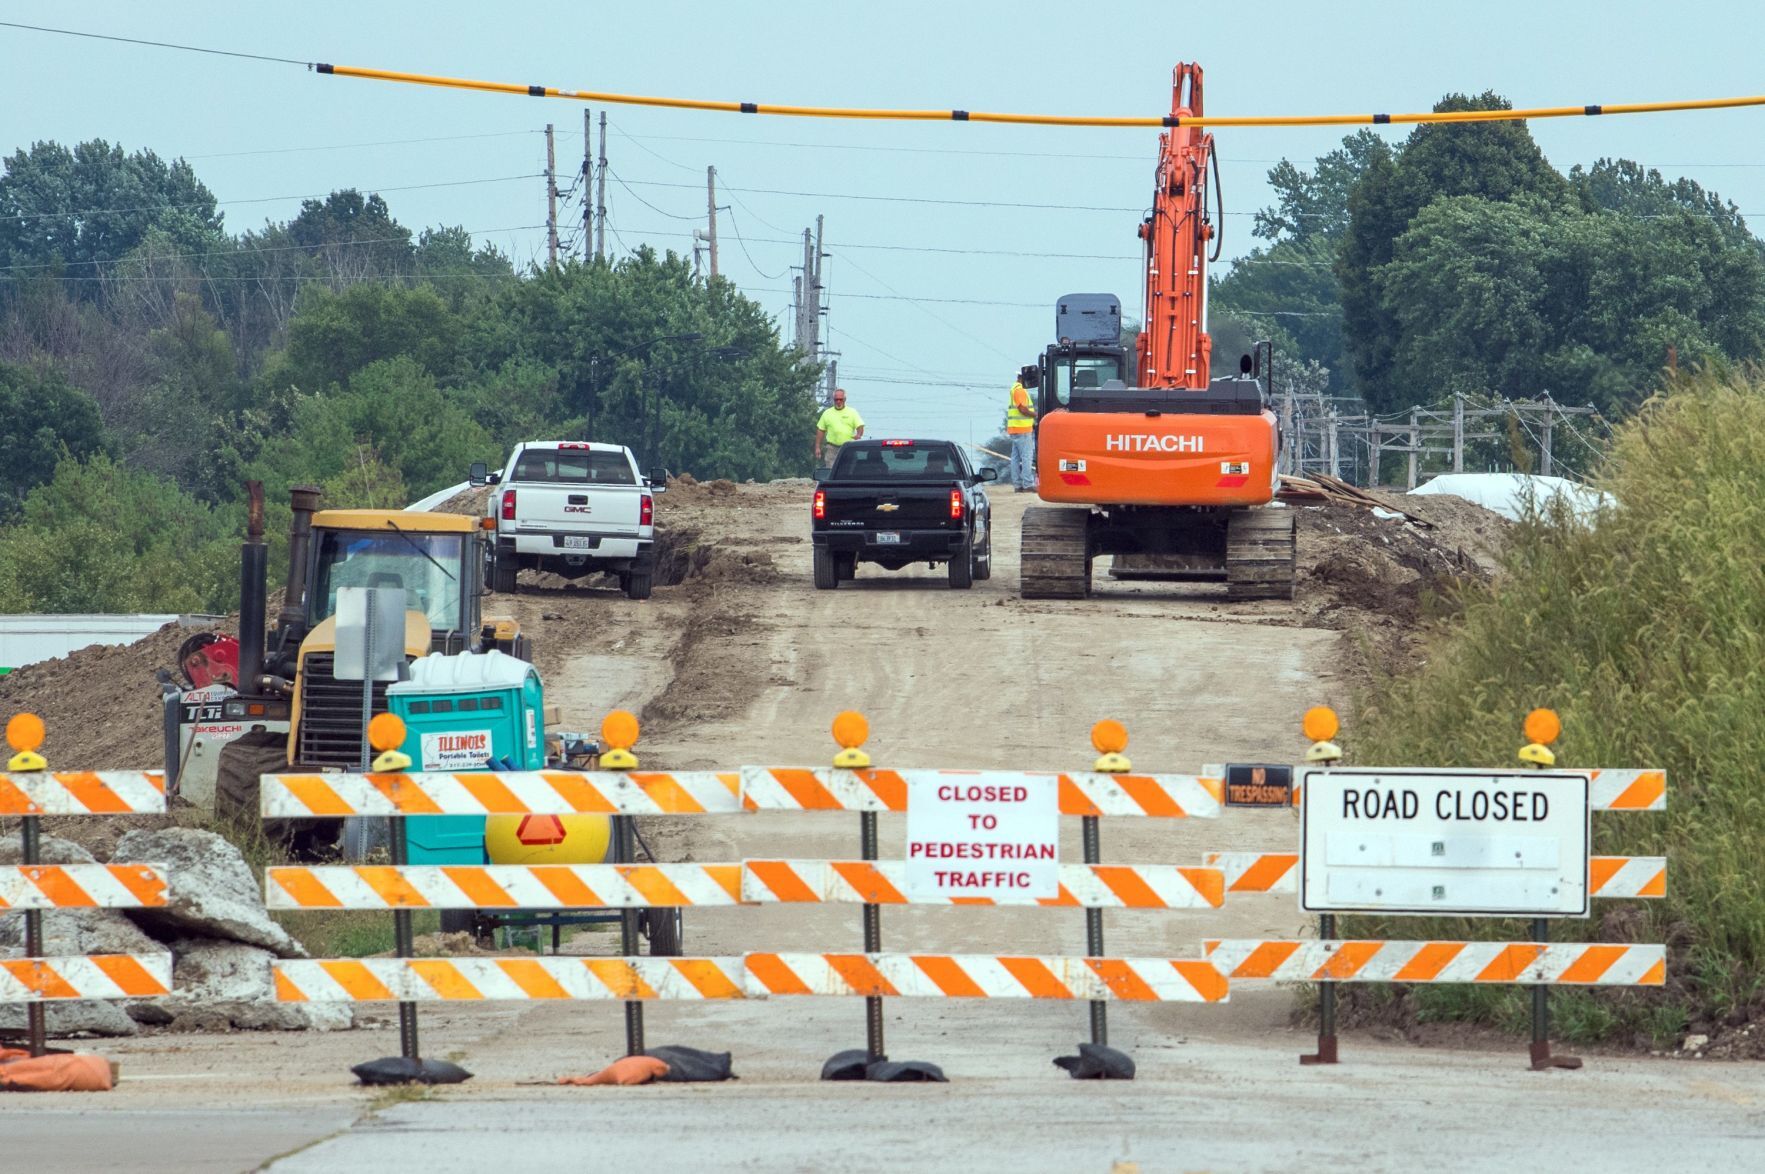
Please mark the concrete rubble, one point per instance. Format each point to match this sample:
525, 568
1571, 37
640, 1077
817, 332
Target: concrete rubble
214, 924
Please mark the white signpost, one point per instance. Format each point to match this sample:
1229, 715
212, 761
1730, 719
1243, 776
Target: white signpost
989, 834
1460, 842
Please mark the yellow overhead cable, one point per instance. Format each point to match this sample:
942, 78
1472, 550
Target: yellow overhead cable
898, 115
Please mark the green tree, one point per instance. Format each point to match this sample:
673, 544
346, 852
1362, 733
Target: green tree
102, 537
335, 335
1313, 204
43, 420
393, 409
95, 203
1495, 161
348, 236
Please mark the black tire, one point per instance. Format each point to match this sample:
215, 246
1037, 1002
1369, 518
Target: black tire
236, 774
983, 560
638, 583
459, 921
502, 576
847, 566
666, 930
827, 574
962, 566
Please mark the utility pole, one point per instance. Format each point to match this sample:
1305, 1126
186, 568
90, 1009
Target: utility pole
1544, 462
1334, 450
551, 199
587, 184
600, 199
1374, 446
711, 210
1285, 464
1415, 444
1458, 433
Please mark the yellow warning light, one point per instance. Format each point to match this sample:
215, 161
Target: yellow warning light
386, 731
1320, 723
1542, 726
850, 729
1109, 736
619, 730
25, 732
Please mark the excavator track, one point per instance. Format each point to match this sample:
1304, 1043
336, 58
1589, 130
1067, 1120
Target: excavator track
1055, 558
1260, 554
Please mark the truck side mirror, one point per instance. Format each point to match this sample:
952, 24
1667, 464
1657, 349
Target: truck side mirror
987, 473
659, 479
479, 474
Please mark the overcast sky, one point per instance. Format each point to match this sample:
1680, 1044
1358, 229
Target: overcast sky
940, 275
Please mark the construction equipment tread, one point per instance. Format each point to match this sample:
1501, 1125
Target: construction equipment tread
1261, 551
1055, 555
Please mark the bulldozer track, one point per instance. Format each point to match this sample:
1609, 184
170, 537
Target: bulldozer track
1260, 554
1055, 555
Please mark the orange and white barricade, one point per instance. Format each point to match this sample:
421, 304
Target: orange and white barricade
29, 790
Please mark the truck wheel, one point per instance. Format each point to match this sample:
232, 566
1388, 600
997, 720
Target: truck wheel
638, 582
666, 931
847, 566
962, 566
827, 575
502, 576
983, 561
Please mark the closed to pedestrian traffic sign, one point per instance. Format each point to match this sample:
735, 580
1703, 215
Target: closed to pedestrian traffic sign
992, 834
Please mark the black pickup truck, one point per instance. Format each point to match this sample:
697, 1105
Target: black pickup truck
896, 502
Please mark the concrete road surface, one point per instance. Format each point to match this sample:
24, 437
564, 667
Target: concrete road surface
1219, 1107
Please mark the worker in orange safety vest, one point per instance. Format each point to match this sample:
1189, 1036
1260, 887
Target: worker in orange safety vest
1020, 426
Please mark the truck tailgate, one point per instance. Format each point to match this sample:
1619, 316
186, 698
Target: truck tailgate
922, 506
556, 508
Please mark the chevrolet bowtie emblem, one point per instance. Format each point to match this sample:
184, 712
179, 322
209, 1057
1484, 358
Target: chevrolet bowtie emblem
888, 507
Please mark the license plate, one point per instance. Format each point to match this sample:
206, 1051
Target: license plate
578, 542
888, 537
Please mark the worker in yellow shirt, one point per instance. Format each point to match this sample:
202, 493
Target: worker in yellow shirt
837, 425
1020, 426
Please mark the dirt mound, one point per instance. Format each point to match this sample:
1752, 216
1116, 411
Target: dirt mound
1381, 578
101, 704
684, 556
472, 502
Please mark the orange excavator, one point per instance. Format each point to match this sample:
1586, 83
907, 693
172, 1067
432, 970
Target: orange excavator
1139, 453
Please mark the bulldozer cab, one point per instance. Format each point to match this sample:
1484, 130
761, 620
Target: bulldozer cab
435, 559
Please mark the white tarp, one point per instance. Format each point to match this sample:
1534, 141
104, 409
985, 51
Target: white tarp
1509, 494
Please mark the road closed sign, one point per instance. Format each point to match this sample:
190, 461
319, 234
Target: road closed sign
992, 834
1473, 843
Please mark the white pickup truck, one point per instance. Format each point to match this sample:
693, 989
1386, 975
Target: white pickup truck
572, 508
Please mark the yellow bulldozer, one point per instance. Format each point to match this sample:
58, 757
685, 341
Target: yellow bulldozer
285, 709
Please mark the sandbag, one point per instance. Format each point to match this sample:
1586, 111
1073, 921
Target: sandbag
1098, 1062
905, 1072
61, 1072
847, 1065
626, 1070
398, 1070
692, 1064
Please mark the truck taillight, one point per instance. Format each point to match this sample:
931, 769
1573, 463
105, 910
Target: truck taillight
956, 504
508, 505
646, 510
820, 504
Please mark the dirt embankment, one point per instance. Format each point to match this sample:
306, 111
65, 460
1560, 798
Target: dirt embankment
1380, 580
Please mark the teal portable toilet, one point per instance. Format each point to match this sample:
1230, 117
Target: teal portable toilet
460, 712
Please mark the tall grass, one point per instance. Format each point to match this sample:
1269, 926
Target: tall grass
1646, 632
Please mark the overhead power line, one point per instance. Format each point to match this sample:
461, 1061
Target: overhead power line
940, 114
